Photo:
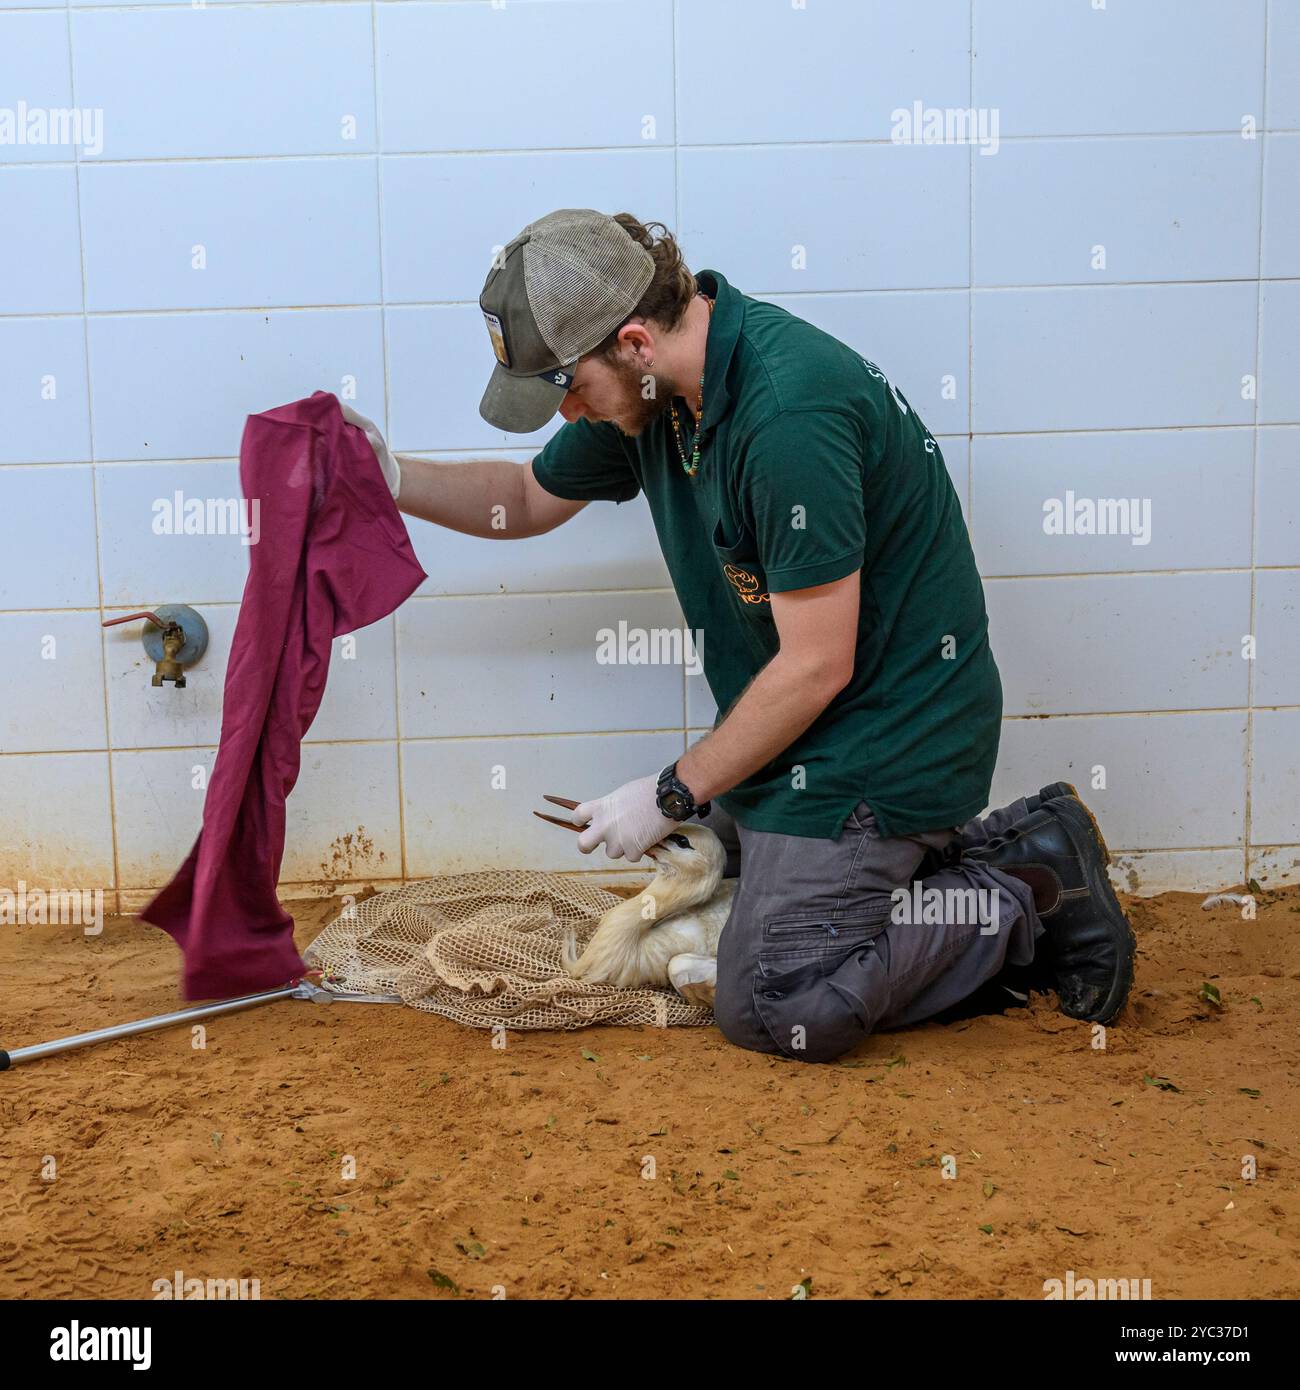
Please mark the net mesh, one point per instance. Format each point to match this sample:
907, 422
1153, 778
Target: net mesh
484, 949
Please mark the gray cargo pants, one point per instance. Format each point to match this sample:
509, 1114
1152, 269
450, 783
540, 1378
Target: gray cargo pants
819, 951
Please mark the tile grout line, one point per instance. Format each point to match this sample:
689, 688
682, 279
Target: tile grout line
456, 454
1248, 813
335, 886
550, 594
94, 482
880, 142
829, 292
500, 736
384, 356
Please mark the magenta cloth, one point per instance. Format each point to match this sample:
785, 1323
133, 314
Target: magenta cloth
332, 556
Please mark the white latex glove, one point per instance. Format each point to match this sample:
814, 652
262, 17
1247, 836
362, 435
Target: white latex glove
392, 472
628, 821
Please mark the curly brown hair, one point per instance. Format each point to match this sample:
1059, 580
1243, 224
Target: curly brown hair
669, 293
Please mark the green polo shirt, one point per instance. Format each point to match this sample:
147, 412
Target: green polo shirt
813, 467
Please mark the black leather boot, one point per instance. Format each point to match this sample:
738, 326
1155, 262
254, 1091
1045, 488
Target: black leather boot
1088, 944
935, 860
1051, 792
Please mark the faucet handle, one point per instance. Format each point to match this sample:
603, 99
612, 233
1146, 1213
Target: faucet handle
132, 617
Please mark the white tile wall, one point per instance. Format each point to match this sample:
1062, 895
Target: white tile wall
1121, 642
1277, 626
56, 821
839, 70
1188, 493
425, 414
34, 69
297, 196
187, 83
361, 696
701, 707
1283, 67
1163, 870
1275, 799
527, 663
50, 565
1097, 211
446, 784
524, 76
38, 233
956, 455
745, 211
1116, 357
604, 548
47, 407
1171, 66
1279, 349
202, 373
211, 234
347, 822
1131, 769
1274, 867
142, 556
1277, 513
51, 682
1281, 206
496, 195
158, 809
144, 716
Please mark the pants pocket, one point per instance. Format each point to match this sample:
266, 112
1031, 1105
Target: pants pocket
806, 1014
826, 936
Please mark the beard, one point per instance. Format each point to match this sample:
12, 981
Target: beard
635, 411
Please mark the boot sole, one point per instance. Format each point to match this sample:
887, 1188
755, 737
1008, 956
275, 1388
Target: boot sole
1053, 791
1079, 818
1094, 829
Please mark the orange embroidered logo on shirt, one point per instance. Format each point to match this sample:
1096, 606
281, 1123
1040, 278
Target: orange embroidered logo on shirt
745, 585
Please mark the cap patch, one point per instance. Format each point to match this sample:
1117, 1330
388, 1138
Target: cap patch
497, 334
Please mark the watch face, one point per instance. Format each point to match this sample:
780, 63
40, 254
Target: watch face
675, 804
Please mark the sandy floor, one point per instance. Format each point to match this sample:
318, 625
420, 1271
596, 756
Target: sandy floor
527, 1171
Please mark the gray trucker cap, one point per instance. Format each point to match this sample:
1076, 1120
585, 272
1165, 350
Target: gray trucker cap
556, 291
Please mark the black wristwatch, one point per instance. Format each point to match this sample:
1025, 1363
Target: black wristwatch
675, 799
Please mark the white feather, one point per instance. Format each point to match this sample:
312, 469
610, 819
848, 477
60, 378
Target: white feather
683, 909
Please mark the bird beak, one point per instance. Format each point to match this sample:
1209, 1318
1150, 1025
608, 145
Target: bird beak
555, 820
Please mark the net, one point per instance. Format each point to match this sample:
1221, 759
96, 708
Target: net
484, 949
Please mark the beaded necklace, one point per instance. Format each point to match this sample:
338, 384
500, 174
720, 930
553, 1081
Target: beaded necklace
692, 467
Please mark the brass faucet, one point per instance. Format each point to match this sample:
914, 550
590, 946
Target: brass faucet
167, 666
